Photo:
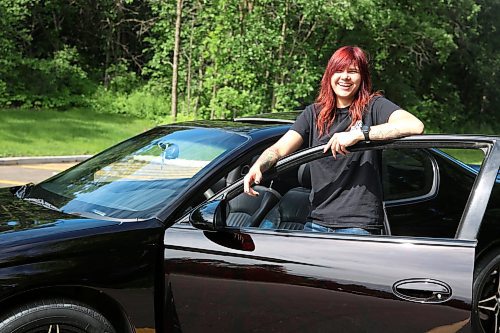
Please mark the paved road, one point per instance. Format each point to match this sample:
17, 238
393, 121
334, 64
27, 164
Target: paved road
11, 175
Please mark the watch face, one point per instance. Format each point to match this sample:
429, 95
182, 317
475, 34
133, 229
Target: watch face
366, 130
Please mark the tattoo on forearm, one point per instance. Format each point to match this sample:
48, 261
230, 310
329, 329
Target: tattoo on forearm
268, 158
385, 132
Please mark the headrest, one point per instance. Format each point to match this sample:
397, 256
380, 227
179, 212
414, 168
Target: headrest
234, 175
304, 175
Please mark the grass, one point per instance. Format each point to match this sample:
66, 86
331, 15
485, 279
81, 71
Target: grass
468, 156
85, 131
75, 132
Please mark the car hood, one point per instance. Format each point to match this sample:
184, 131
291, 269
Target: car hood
57, 248
24, 221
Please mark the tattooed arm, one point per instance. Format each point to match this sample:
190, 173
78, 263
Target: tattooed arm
268, 158
287, 144
401, 123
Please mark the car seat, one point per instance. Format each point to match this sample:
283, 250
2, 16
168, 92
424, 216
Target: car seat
247, 211
293, 210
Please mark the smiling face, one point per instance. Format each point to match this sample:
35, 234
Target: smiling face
345, 84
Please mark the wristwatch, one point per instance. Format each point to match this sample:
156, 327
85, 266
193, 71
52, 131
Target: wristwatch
366, 132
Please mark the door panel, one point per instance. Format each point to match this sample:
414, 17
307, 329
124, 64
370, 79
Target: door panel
299, 282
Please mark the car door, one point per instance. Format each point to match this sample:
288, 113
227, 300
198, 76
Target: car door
276, 280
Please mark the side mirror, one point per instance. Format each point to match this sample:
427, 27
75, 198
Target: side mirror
210, 216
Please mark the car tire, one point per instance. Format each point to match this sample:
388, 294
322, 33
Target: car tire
486, 293
55, 316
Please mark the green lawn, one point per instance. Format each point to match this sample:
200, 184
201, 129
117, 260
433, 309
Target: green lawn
469, 156
83, 131
75, 132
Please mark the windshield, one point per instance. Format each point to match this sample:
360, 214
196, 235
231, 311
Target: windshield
137, 178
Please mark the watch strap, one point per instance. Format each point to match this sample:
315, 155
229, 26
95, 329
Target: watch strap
366, 132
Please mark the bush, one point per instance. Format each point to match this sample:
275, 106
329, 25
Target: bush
4, 98
58, 82
121, 79
229, 103
440, 116
141, 102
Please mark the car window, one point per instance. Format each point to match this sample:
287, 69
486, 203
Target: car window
419, 186
231, 177
490, 227
407, 174
437, 214
139, 176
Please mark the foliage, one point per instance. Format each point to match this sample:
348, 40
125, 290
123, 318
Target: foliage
231, 103
55, 52
12, 34
120, 79
269, 56
142, 103
49, 83
438, 59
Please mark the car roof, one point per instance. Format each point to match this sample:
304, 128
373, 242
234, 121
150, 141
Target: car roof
263, 121
274, 117
454, 137
251, 126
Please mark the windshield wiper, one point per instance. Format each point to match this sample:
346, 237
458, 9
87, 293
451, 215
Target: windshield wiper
23, 191
43, 203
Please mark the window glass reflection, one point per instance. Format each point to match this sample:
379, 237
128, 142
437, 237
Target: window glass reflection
139, 176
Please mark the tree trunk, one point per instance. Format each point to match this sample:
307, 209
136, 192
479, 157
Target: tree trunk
175, 62
214, 94
280, 77
109, 37
200, 85
189, 75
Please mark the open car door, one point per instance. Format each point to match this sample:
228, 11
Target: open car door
256, 279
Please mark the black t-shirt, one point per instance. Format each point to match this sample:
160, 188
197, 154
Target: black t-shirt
347, 191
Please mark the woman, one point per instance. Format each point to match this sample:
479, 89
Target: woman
346, 191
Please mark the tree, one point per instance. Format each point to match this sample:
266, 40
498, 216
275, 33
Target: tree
227, 58
175, 61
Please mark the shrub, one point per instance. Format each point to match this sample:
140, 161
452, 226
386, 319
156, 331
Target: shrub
58, 82
121, 79
230, 102
141, 102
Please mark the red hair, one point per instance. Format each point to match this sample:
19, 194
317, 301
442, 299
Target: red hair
327, 100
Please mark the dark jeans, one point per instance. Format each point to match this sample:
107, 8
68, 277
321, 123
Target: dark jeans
314, 227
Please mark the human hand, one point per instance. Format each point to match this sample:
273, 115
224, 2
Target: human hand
253, 176
340, 141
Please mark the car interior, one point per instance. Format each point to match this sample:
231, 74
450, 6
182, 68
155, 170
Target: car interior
275, 211
416, 197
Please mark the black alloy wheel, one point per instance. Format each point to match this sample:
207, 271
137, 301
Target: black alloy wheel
486, 294
55, 316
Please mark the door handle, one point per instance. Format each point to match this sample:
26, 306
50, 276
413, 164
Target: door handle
422, 290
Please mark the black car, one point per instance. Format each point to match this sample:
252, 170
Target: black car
155, 235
